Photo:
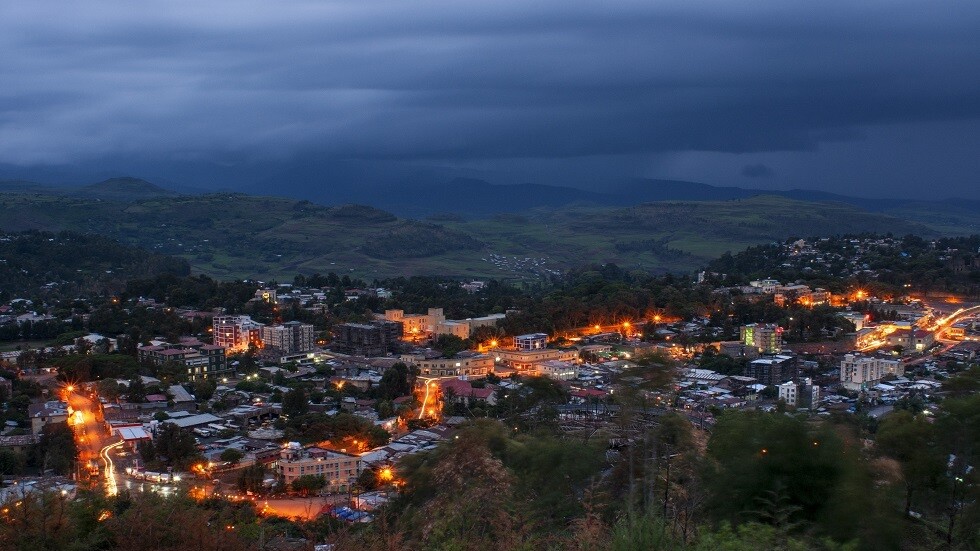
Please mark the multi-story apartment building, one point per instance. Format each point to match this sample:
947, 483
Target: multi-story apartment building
794, 394
772, 370
338, 469
767, 338
289, 337
201, 360
367, 339
788, 392
859, 372
236, 333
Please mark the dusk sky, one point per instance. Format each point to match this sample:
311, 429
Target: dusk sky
864, 98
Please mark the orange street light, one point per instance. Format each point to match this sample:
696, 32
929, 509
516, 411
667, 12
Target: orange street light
493, 343
70, 388
386, 474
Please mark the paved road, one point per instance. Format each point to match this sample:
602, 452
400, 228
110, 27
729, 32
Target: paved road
91, 436
298, 507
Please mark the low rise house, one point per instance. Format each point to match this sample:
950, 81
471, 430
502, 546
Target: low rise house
460, 391
19, 443
46, 413
558, 370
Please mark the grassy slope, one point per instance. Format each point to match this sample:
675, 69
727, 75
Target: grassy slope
232, 235
951, 218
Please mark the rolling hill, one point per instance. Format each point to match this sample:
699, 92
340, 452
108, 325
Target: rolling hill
237, 235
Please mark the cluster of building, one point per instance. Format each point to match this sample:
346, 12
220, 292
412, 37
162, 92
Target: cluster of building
768, 365
388, 333
239, 333
788, 294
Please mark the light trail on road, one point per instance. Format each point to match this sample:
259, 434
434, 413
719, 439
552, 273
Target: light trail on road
425, 400
110, 469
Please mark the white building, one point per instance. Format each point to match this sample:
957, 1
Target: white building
558, 370
859, 372
788, 393
766, 286
531, 341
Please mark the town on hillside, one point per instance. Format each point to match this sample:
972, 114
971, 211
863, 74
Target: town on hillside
334, 398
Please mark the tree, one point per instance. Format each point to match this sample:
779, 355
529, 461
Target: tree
811, 470
396, 381
56, 450
911, 440
252, 479
109, 389
204, 389
308, 484
12, 462
231, 455
449, 345
176, 446
147, 450
136, 392
295, 403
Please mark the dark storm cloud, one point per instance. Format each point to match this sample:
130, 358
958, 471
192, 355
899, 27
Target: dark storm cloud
467, 80
756, 171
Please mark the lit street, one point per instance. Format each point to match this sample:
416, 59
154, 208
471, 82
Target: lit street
91, 437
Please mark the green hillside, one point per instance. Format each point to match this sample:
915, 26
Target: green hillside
69, 264
235, 235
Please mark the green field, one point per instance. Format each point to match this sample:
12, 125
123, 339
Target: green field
236, 236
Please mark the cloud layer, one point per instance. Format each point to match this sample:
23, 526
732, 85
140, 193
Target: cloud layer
477, 81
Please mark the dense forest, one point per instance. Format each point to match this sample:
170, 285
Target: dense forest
70, 264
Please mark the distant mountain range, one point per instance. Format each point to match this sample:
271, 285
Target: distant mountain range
434, 193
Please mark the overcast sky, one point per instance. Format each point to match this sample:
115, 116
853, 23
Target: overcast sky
863, 97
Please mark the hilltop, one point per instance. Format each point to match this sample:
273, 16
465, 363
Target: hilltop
123, 189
